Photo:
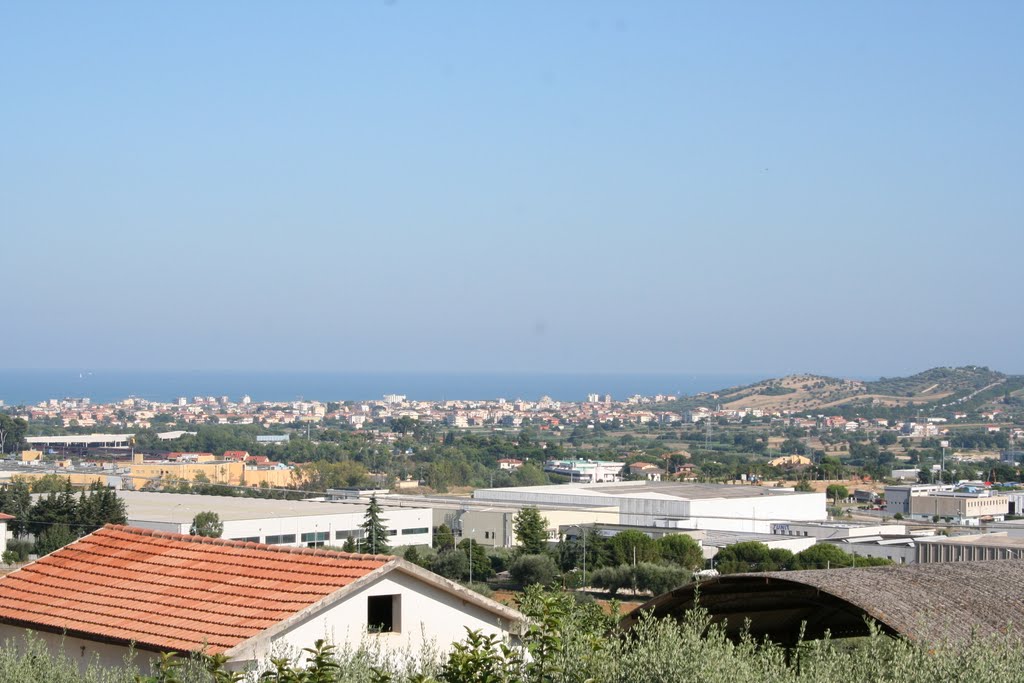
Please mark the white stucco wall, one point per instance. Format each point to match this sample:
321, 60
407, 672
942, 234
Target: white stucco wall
802, 507
77, 649
429, 616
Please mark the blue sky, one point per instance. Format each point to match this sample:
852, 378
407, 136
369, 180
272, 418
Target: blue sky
600, 186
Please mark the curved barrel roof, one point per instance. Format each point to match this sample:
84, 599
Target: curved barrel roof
928, 602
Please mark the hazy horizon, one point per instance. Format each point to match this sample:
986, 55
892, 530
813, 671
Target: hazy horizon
739, 187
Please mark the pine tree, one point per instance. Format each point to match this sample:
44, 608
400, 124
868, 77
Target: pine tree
56, 508
98, 506
531, 531
375, 534
444, 539
16, 500
54, 538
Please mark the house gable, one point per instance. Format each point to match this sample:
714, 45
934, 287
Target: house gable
425, 611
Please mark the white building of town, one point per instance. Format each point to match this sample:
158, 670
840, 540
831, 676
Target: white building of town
297, 523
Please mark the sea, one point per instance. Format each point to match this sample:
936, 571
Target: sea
29, 387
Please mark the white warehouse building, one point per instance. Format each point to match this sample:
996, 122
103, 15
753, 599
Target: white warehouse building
296, 523
750, 509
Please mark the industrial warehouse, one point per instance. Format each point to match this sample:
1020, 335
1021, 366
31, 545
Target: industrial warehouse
750, 509
298, 523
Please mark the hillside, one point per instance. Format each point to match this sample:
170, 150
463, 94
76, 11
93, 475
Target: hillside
935, 391
793, 392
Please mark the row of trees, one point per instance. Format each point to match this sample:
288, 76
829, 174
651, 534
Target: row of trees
647, 564
628, 560
752, 556
57, 518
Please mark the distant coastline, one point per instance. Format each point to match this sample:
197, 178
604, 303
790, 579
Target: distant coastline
26, 387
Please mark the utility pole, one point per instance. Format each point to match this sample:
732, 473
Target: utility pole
583, 533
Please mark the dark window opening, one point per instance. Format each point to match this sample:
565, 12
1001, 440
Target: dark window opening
315, 539
282, 538
383, 613
350, 533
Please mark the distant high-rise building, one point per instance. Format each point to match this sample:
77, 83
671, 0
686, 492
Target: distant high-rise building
608, 399
182, 401
246, 400
593, 398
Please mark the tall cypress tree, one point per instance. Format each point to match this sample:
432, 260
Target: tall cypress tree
375, 539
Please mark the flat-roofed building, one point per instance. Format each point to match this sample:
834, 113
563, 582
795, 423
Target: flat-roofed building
897, 498
829, 531
961, 507
676, 505
491, 523
296, 523
586, 471
969, 548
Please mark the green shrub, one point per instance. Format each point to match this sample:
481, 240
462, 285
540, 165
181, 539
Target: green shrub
528, 570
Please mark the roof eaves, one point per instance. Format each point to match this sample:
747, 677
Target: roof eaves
460, 591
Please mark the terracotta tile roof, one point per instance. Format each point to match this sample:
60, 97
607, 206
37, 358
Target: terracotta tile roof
4, 517
170, 591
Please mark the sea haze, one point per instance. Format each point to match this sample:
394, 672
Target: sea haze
24, 387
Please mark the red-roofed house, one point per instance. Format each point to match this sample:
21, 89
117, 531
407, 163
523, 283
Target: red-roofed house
236, 455
171, 592
647, 470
